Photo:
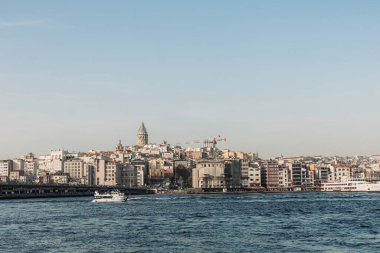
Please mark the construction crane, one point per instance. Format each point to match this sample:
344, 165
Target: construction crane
207, 143
213, 141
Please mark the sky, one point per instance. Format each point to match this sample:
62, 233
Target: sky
275, 77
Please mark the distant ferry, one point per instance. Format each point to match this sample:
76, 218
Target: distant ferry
113, 196
351, 186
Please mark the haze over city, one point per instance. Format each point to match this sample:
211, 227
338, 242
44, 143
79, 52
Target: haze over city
273, 77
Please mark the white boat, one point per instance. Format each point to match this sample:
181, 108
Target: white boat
113, 196
351, 186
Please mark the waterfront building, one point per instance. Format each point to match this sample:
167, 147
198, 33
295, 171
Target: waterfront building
284, 180
89, 174
140, 176
358, 174
75, 169
156, 174
156, 168
308, 178
372, 174
30, 167
302, 177
208, 174
53, 163
244, 173
168, 169
232, 171
297, 175
48, 166
331, 175
30, 171
6, 166
142, 135
111, 173
107, 172
17, 176
269, 175
128, 176
254, 175
100, 171
341, 172
322, 173
142, 171
182, 170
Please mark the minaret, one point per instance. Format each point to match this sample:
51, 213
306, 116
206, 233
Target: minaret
142, 135
119, 147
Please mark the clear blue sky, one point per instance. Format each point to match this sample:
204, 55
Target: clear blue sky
274, 77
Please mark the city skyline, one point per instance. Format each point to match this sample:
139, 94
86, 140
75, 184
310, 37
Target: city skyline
291, 78
141, 142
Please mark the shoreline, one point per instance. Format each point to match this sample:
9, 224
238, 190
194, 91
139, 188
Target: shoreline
43, 196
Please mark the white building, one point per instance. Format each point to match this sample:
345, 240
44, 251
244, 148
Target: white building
209, 174
30, 167
30, 170
284, 176
51, 164
5, 167
47, 166
58, 154
254, 175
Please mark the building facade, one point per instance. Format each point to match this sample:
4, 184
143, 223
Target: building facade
270, 175
6, 166
75, 169
209, 174
254, 175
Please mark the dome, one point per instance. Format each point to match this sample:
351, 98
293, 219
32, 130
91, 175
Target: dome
142, 129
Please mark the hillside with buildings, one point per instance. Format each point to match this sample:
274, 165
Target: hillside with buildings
205, 168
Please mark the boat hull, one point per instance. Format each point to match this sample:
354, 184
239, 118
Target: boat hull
110, 200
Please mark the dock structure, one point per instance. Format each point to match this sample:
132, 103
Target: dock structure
16, 190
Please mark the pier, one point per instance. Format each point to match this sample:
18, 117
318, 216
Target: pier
18, 191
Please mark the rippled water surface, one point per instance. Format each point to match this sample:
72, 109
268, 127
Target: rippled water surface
290, 222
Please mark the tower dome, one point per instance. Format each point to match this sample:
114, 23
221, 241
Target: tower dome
142, 135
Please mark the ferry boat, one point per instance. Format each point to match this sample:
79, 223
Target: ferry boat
113, 196
356, 185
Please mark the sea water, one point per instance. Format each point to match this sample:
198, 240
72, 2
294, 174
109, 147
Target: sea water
286, 222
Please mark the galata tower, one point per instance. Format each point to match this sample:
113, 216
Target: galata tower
142, 135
